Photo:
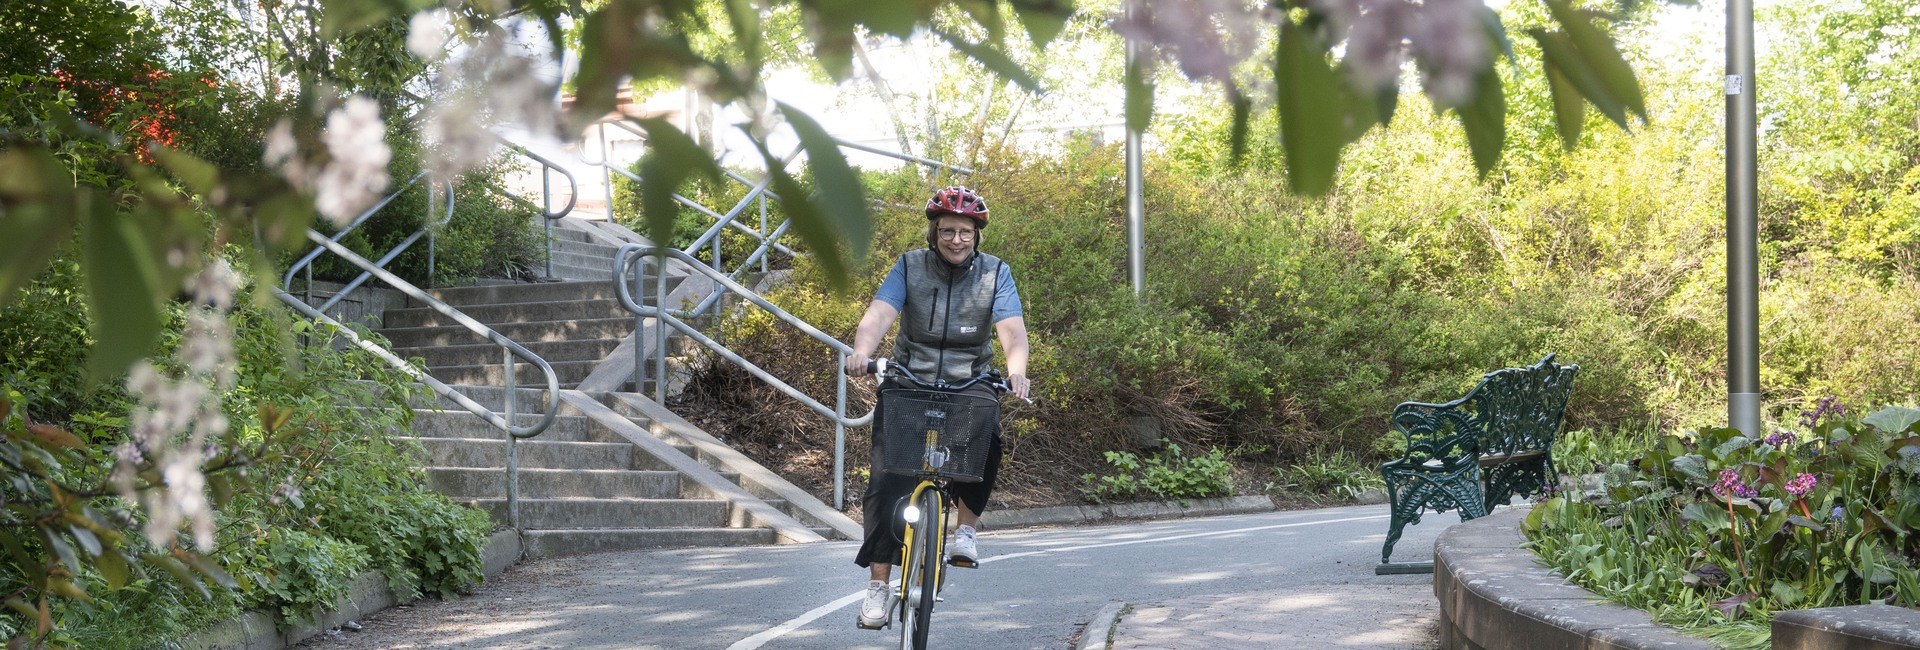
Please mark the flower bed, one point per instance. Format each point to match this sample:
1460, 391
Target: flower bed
1716, 531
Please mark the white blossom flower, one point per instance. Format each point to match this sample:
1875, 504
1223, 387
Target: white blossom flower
1375, 48
1205, 38
427, 34
357, 174
214, 285
1449, 40
491, 82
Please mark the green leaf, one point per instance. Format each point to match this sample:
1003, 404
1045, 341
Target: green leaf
837, 187
995, 60
179, 571
38, 212
1569, 112
1237, 136
607, 34
122, 290
986, 13
343, 16
1140, 90
812, 226
1600, 53
114, 568
1310, 130
1894, 419
198, 175
61, 549
1708, 515
1043, 19
671, 159
1485, 120
1558, 51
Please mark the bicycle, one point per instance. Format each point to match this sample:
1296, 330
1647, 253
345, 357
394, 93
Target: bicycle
939, 434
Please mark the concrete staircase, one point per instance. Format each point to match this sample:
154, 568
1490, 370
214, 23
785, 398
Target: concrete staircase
615, 470
599, 480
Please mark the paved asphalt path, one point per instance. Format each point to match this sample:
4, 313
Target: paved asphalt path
1036, 589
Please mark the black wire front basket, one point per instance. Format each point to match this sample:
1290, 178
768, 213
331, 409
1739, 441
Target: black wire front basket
949, 434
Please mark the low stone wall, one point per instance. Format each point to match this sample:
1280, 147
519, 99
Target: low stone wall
1494, 597
256, 630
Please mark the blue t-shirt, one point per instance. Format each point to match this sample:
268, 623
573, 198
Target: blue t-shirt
1006, 297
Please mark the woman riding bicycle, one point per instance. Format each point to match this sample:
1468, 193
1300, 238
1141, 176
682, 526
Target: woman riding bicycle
953, 296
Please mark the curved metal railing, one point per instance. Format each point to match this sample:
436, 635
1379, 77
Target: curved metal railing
627, 262
501, 421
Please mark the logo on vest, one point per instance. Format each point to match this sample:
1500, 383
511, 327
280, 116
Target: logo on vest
968, 329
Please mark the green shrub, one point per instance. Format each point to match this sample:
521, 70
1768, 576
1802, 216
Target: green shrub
1171, 474
1338, 474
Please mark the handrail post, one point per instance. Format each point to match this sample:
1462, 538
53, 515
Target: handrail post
763, 230
606, 171
660, 325
840, 433
430, 229
640, 327
513, 449
546, 208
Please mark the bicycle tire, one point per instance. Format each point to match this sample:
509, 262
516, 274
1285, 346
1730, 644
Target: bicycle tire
909, 576
931, 566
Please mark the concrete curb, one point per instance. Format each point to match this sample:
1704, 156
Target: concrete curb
1098, 635
256, 630
1059, 515
1494, 597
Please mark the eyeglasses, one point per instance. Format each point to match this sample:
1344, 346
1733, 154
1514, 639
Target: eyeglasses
957, 234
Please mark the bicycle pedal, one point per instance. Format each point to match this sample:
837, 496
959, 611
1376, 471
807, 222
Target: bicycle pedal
862, 624
963, 563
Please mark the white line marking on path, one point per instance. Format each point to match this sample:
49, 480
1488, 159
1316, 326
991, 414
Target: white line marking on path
777, 631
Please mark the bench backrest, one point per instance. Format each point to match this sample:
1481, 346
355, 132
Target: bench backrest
1519, 409
1510, 411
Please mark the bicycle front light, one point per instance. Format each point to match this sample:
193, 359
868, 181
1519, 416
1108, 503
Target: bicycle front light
911, 513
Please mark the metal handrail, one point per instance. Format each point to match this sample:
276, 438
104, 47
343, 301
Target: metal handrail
627, 261
504, 422
306, 261
547, 167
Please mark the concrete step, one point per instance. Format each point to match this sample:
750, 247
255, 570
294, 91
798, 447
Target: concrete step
521, 292
495, 315
568, 373
522, 333
461, 483
583, 260
563, 233
577, 514
458, 423
485, 353
588, 248
533, 454
583, 273
527, 400
551, 543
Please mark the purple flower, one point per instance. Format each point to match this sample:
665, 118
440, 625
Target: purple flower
1801, 483
1827, 406
1730, 484
1781, 439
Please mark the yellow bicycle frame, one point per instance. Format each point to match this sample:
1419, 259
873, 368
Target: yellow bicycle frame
939, 520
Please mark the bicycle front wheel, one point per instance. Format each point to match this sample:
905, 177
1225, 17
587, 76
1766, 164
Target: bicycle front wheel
929, 552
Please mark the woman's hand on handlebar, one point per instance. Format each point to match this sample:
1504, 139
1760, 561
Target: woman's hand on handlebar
1019, 385
857, 365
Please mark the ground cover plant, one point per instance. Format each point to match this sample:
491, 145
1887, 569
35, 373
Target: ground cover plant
1715, 531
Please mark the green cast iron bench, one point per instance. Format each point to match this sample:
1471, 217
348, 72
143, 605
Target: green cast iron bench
1475, 452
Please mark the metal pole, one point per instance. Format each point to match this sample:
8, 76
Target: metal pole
1136, 208
1743, 225
430, 230
546, 208
660, 324
840, 434
513, 451
640, 328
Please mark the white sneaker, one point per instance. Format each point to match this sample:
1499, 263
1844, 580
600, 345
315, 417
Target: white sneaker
964, 552
876, 607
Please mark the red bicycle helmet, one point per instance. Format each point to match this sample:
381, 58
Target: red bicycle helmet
958, 201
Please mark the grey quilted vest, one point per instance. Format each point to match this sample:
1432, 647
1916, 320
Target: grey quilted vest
947, 324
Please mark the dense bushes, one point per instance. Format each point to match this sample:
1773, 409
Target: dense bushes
334, 490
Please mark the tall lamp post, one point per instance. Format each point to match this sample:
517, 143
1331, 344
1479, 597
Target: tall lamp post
1743, 249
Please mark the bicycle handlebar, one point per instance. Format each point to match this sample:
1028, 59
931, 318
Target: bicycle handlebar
881, 367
